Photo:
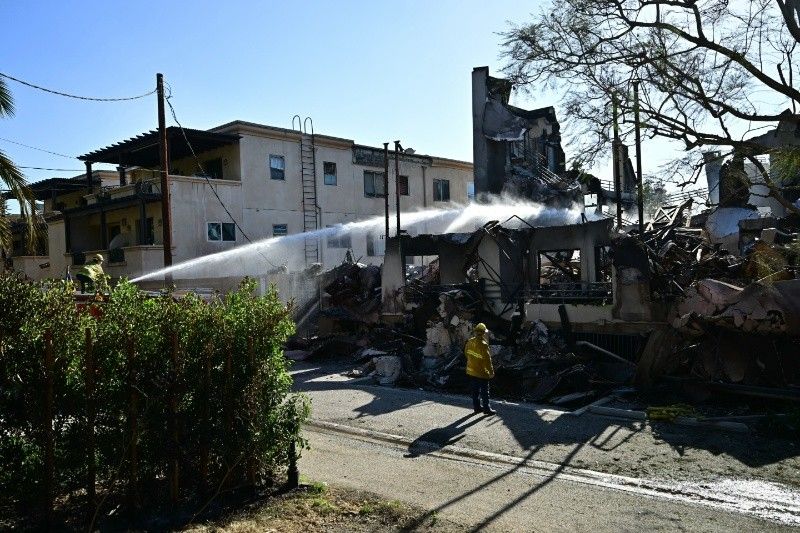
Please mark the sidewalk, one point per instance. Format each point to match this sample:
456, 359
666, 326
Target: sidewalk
433, 420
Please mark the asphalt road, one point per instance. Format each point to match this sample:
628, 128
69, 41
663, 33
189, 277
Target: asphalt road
536, 469
501, 497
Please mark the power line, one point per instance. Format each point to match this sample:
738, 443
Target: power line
89, 98
36, 148
208, 181
53, 169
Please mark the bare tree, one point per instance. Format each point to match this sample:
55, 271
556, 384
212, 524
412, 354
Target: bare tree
712, 73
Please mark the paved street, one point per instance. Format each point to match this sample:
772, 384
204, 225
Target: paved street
554, 471
503, 497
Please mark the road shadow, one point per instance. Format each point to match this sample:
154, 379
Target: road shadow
531, 430
437, 438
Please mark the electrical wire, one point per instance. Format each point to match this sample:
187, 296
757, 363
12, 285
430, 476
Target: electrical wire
53, 169
208, 181
39, 149
77, 97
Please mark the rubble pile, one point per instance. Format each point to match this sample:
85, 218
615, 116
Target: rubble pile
732, 302
352, 296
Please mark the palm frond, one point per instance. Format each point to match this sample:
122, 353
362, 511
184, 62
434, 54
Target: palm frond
12, 179
5, 230
6, 100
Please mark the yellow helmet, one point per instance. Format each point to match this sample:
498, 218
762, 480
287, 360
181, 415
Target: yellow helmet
480, 328
97, 258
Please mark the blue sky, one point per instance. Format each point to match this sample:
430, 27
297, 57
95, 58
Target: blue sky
369, 71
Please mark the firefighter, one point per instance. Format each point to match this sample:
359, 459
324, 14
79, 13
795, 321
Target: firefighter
91, 276
479, 368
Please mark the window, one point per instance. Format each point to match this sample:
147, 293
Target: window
229, 232
441, 190
221, 231
373, 184
560, 268
338, 238
402, 184
277, 167
376, 245
471, 190
329, 173
279, 230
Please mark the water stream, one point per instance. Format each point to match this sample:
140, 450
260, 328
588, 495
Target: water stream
259, 257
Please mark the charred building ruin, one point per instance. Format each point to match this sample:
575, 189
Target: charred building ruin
516, 151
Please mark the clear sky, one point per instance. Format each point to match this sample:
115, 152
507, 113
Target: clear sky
368, 71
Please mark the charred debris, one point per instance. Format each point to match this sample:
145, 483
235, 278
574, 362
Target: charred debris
695, 306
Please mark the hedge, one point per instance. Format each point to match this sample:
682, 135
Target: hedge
144, 398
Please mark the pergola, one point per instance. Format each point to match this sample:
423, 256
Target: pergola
143, 150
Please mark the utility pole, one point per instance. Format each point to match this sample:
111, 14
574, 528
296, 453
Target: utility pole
397, 149
640, 195
615, 159
166, 217
386, 189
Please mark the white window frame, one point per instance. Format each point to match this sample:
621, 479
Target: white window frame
335, 174
440, 199
374, 175
221, 236
271, 168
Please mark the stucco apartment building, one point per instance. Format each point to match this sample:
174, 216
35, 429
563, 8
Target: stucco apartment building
271, 181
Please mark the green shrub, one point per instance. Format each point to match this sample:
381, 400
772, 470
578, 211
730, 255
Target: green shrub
221, 405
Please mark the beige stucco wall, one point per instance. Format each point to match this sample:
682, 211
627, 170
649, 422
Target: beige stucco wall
193, 206
56, 248
30, 266
266, 202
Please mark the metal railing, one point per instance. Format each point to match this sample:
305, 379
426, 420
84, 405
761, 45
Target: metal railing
571, 292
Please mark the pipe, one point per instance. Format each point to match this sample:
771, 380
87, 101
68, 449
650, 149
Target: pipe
604, 352
386, 187
397, 149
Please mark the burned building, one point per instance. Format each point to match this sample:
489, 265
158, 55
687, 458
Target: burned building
516, 151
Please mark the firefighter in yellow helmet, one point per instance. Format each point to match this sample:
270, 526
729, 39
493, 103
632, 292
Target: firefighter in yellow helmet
91, 275
479, 368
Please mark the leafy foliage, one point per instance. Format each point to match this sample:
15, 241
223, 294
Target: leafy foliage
234, 416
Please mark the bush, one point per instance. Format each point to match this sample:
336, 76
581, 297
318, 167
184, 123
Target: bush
187, 386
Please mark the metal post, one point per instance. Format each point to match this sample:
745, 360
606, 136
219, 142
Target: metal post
166, 218
615, 159
386, 187
89, 176
640, 195
397, 149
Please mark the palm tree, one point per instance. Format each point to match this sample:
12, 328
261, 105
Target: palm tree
13, 181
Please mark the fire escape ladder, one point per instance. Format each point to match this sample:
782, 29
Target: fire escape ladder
309, 185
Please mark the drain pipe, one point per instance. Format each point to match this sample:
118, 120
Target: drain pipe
424, 188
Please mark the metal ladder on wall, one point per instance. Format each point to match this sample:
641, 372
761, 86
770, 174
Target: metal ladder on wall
308, 168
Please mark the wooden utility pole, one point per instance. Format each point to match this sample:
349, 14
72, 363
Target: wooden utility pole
166, 217
640, 196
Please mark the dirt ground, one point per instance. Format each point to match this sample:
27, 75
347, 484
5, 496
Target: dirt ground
317, 507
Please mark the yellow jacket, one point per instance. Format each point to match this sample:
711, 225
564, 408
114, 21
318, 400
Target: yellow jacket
479, 360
